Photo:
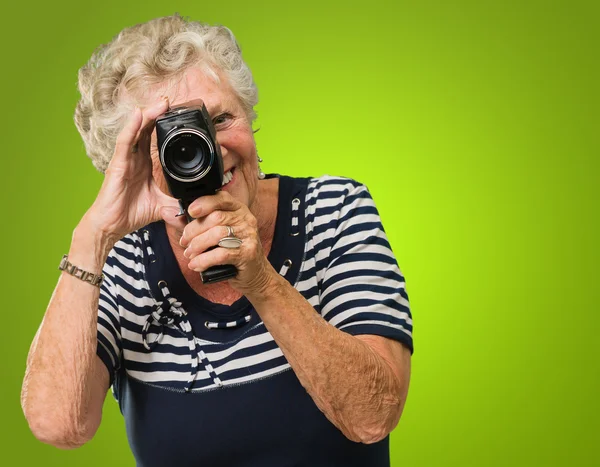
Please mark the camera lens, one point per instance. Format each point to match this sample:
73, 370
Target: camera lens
187, 155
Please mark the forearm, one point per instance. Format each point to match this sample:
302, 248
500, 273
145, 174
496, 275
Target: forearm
60, 376
351, 384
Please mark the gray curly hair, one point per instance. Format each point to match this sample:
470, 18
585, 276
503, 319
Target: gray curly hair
145, 55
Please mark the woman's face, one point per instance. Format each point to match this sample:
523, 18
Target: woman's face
234, 132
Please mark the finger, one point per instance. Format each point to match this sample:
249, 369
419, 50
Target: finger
203, 242
206, 204
127, 136
218, 256
151, 113
215, 218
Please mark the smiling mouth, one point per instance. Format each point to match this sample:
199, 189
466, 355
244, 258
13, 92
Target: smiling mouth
227, 177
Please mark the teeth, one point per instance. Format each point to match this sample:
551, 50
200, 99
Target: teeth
227, 176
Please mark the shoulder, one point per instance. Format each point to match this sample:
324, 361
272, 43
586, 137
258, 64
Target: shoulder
129, 247
127, 256
333, 190
333, 183
325, 183
334, 204
336, 197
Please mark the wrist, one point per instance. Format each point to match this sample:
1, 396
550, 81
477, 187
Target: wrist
269, 287
94, 224
90, 247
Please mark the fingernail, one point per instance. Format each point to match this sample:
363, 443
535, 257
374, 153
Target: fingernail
186, 252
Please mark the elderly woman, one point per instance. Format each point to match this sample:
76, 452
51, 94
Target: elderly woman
301, 359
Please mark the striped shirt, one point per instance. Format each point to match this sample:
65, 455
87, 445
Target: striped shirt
201, 383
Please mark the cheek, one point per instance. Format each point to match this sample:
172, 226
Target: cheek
240, 141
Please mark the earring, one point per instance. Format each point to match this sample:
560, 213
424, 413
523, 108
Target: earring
261, 174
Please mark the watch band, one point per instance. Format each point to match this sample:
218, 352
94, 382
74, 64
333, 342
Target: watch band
94, 279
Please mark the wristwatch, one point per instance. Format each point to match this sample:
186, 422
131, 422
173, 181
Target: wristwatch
94, 279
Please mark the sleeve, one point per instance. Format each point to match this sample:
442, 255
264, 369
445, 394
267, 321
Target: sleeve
363, 290
109, 328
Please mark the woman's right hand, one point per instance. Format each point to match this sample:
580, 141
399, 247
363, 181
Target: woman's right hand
129, 197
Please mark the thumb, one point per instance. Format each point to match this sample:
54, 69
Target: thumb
169, 215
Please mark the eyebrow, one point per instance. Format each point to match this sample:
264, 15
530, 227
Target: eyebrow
217, 108
225, 105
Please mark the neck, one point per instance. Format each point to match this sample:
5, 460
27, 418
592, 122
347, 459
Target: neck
264, 208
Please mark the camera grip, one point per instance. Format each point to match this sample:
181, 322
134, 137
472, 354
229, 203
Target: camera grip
215, 273
218, 273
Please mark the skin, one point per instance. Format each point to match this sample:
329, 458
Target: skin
360, 383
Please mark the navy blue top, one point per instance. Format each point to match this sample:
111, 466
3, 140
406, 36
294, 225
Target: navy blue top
205, 384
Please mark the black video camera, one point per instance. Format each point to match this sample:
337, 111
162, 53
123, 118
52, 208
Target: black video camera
192, 164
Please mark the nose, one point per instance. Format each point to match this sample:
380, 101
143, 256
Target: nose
221, 143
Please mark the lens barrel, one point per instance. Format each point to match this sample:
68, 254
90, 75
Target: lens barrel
187, 154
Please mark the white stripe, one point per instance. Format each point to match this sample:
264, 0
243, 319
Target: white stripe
357, 278
133, 249
110, 310
381, 323
243, 344
110, 335
125, 262
245, 362
159, 376
336, 269
132, 336
342, 185
284, 269
135, 301
377, 306
358, 294
157, 356
110, 354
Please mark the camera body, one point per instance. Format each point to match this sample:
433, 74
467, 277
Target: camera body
189, 153
192, 164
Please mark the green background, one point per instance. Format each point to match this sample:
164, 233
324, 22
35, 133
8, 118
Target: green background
475, 125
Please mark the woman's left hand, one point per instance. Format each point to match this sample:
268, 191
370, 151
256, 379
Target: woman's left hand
212, 215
